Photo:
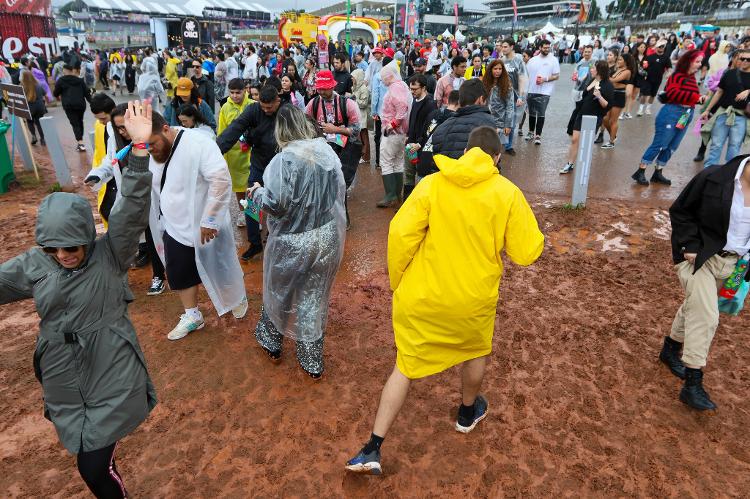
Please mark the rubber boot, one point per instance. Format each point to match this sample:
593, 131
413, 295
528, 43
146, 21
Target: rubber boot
398, 186
407, 191
390, 197
658, 178
693, 393
640, 176
670, 355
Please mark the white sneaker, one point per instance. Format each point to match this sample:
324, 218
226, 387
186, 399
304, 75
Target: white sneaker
567, 168
639, 113
622, 117
648, 111
538, 139
240, 310
185, 327
241, 220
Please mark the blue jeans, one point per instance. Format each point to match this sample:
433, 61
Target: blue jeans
253, 227
719, 135
667, 137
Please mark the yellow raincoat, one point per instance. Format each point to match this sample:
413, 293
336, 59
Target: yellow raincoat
100, 150
237, 161
170, 73
444, 262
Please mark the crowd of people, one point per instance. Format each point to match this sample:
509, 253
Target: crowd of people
284, 153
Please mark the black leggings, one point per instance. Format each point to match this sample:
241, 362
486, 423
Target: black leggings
378, 133
75, 116
98, 470
156, 266
34, 125
536, 123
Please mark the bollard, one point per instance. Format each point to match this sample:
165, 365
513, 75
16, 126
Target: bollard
56, 154
583, 160
22, 144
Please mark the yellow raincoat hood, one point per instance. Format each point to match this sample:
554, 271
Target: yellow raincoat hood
473, 167
444, 261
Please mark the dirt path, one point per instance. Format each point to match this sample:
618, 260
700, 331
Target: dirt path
578, 403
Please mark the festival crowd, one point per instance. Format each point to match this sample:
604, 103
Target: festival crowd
277, 134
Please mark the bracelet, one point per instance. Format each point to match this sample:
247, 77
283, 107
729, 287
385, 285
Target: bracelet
140, 145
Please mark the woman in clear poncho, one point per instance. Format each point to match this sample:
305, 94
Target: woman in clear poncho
302, 201
149, 84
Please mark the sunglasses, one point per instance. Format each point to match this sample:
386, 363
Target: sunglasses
196, 67
745, 59
67, 249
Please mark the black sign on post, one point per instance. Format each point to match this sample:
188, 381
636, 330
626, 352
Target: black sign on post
16, 99
190, 32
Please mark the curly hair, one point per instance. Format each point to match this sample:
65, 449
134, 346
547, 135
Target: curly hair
503, 82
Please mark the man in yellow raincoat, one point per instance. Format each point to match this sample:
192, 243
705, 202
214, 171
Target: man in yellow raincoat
238, 157
444, 264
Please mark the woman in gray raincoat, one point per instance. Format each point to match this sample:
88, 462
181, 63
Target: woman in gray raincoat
93, 373
149, 84
303, 204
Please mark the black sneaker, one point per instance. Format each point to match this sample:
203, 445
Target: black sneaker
698, 158
599, 139
510, 152
465, 425
157, 287
251, 252
142, 258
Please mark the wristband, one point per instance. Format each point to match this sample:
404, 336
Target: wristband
140, 145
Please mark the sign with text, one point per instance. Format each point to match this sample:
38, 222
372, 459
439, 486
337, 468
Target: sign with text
31, 7
190, 32
16, 99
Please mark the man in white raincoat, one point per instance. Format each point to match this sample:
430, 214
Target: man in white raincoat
149, 84
190, 222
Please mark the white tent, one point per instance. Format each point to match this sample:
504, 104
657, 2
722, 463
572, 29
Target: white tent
447, 34
460, 38
547, 28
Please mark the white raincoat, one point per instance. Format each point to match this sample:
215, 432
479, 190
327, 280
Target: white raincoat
209, 198
303, 201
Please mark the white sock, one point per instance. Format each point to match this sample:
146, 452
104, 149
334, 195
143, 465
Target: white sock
640, 108
648, 106
194, 313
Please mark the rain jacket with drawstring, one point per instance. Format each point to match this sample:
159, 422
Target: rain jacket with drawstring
92, 370
444, 262
149, 84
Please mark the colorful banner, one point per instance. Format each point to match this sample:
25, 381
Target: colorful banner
32, 7
412, 20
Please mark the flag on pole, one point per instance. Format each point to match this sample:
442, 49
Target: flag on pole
582, 14
515, 11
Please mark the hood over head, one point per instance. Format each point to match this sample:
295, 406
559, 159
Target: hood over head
64, 219
473, 167
390, 73
150, 67
359, 77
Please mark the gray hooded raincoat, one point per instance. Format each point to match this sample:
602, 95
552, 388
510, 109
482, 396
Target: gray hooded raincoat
93, 372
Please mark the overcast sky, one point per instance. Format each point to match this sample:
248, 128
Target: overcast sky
280, 5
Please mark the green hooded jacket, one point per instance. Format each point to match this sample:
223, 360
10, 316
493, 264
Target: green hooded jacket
88, 360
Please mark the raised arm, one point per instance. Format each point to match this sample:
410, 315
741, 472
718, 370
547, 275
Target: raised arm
129, 216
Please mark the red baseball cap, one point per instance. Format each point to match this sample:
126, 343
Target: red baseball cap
389, 52
377, 50
324, 80
417, 44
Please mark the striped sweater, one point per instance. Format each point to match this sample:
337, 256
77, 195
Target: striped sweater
682, 89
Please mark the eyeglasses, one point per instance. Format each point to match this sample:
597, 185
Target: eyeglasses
745, 59
67, 249
196, 66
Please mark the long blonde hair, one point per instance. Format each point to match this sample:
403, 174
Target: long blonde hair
28, 82
292, 124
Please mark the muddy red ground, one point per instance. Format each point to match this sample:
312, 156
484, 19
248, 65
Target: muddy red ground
579, 406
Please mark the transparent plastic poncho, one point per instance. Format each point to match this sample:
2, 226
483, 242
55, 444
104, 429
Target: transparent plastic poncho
149, 83
303, 204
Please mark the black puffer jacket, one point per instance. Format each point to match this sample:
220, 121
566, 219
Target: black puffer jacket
258, 128
451, 137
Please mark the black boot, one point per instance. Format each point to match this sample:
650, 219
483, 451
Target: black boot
693, 393
658, 178
640, 176
670, 355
